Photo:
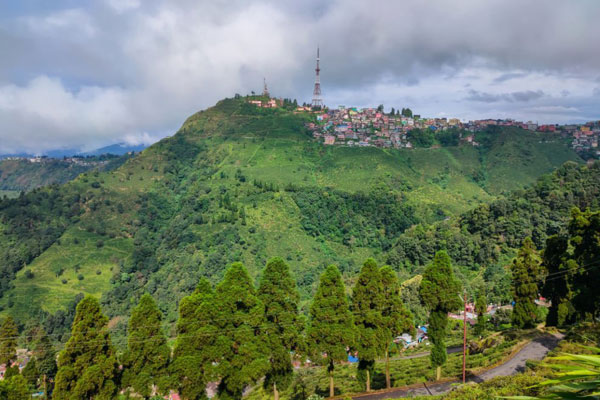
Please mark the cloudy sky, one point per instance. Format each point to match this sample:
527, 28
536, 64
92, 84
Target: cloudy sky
83, 74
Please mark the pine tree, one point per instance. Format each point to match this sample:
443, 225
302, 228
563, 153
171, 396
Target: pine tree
278, 293
31, 373
440, 293
87, 367
367, 306
396, 317
147, 357
14, 388
525, 273
331, 329
8, 341
45, 356
480, 310
558, 289
243, 354
194, 349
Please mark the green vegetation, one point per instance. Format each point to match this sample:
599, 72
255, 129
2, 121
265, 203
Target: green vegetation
440, 292
525, 274
87, 367
283, 325
23, 176
239, 183
146, 361
331, 327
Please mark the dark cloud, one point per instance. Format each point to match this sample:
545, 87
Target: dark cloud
524, 96
113, 63
508, 76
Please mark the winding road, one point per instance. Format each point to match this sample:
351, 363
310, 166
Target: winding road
534, 350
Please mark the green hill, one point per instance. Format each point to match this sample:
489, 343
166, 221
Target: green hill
22, 175
242, 183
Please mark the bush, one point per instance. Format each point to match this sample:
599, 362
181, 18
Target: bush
29, 274
100, 244
64, 281
98, 272
80, 277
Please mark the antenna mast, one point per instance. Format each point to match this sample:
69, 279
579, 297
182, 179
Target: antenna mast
317, 101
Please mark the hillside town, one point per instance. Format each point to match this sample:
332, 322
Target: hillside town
364, 127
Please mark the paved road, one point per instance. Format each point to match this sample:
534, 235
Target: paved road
535, 350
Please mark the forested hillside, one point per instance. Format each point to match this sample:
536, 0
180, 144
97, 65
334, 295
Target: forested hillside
22, 175
237, 183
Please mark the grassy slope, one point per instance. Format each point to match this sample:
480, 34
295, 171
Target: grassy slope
271, 148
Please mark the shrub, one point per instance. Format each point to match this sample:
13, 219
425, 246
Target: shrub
80, 277
29, 274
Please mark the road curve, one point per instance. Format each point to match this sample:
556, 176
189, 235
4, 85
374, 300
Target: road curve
534, 350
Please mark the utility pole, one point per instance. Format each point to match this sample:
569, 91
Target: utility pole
463, 298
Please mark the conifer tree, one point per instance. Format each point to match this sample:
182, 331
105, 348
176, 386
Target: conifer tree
87, 367
331, 329
14, 388
367, 306
440, 293
480, 310
45, 356
147, 357
31, 373
278, 293
8, 341
243, 355
558, 289
194, 348
396, 317
525, 273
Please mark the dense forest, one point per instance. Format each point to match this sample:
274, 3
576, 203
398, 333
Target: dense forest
240, 185
243, 335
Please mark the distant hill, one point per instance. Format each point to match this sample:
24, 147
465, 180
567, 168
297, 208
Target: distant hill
23, 175
238, 183
116, 149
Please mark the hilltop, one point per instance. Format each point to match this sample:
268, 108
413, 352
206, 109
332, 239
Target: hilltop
241, 183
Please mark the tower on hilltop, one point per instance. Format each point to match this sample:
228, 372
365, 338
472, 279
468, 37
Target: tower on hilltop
265, 90
317, 101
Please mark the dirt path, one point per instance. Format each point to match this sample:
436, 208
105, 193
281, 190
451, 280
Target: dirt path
535, 350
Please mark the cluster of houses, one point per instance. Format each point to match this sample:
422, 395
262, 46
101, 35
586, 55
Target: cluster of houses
350, 126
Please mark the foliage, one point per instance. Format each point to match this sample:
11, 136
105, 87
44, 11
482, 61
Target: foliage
193, 352
331, 326
440, 293
87, 367
421, 137
14, 388
576, 376
243, 356
283, 325
480, 310
146, 361
9, 335
372, 337
526, 272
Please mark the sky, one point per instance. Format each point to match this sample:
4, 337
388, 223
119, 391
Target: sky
83, 74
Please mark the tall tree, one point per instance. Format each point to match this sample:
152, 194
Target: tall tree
559, 270
8, 342
194, 350
146, 361
480, 310
331, 327
367, 306
440, 293
525, 274
243, 354
397, 318
45, 356
584, 230
278, 293
14, 388
87, 367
